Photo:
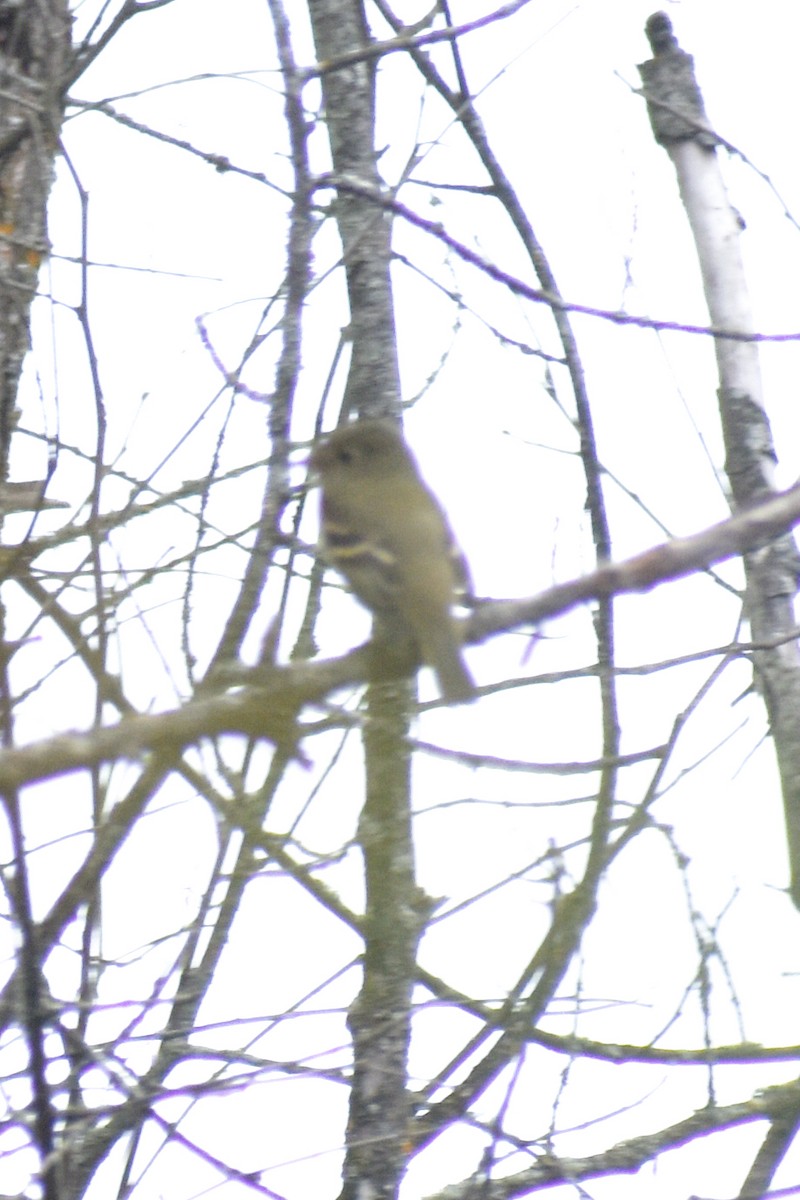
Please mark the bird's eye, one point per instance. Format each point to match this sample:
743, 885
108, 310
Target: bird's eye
345, 455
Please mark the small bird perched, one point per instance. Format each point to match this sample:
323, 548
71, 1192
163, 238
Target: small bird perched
385, 531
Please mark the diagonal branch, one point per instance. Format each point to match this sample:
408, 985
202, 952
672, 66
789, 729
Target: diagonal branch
269, 707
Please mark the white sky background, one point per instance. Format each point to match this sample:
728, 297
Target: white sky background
180, 241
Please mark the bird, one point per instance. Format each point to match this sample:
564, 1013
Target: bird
384, 530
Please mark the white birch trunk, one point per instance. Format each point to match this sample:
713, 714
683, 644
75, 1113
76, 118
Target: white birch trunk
679, 123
